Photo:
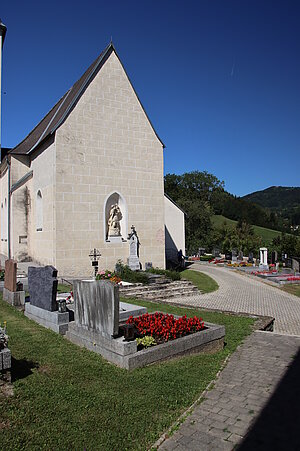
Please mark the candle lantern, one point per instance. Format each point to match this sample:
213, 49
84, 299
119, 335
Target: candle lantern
62, 305
128, 332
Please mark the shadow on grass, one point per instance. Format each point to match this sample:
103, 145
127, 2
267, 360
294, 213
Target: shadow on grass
277, 427
186, 265
21, 368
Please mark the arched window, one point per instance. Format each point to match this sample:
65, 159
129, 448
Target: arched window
115, 218
39, 211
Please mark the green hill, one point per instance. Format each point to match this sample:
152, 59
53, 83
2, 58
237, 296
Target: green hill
267, 235
276, 197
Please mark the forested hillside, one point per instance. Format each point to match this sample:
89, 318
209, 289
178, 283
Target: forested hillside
283, 201
202, 195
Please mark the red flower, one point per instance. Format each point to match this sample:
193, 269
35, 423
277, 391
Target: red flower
164, 327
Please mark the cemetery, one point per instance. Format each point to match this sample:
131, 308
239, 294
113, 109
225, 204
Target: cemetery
264, 267
66, 383
98, 335
98, 321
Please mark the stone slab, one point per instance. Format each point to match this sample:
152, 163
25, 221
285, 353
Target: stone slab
127, 310
211, 339
114, 345
10, 278
56, 321
5, 359
125, 354
42, 283
15, 298
97, 306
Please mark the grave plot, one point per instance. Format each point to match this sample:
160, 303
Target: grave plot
43, 307
96, 327
12, 292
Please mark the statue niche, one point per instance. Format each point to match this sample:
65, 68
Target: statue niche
113, 223
115, 217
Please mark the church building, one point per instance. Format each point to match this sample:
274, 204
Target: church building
91, 169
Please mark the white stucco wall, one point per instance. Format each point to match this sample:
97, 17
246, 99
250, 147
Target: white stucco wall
41, 244
3, 221
175, 229
107, 144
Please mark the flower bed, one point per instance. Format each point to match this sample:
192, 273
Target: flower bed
108, 275
163, 327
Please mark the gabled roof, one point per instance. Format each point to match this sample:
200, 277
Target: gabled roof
173, 202
58, 114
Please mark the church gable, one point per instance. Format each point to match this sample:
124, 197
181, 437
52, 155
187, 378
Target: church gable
107, 149
61, 110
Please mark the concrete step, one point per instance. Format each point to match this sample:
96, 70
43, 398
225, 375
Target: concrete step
161, 296
160, 291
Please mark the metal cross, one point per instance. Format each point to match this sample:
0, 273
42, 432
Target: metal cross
94, 256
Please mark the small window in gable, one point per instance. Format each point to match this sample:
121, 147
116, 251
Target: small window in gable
39, 211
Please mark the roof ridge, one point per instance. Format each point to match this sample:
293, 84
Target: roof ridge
61, 110
34, 128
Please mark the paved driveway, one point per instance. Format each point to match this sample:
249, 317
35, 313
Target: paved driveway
241, 293
254, 405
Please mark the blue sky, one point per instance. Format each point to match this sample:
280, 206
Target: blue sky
220, 79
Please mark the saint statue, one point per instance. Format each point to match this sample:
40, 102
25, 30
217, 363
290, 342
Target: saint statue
115, 216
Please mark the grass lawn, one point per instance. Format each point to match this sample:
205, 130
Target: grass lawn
267, 235
292, 289
68, 398
61, 288
205, 283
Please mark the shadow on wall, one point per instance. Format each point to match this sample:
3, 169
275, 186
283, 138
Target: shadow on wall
278, 425
171, 248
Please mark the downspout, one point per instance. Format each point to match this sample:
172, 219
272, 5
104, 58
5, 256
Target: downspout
8, 207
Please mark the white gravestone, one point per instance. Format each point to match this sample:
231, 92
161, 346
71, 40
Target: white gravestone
263, 258
133, 260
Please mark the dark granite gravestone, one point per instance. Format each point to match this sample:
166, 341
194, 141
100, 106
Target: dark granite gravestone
42, 285
201, 251
240, 256
288, 263
250, 257
216, 252
228, 255
10, 278
234, 255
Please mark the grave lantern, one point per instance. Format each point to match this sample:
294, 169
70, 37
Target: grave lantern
62, 305
94, 256
128, 332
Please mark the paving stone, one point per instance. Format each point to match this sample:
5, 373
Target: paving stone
258, 355
240, 293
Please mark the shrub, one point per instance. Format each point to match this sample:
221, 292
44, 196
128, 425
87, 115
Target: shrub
174, 275
127, 275
205, 258
2, 274
146, 341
